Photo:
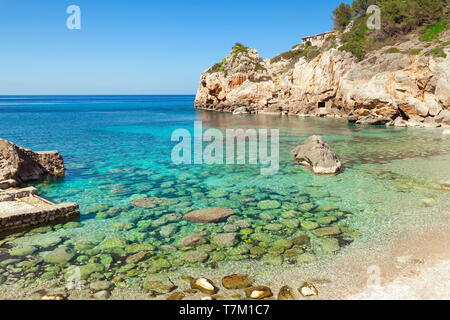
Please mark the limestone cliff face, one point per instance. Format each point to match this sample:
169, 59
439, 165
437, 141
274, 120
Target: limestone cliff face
25, 165
394, 87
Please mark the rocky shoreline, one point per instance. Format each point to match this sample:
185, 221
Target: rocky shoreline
22, 207
405, 85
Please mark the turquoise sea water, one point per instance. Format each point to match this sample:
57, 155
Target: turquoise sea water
117, 149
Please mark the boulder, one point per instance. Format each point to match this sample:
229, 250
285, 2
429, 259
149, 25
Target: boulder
191, 240
208, 215
317, 154
25, 165
224, 239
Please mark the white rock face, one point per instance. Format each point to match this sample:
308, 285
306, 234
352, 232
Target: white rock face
382, 89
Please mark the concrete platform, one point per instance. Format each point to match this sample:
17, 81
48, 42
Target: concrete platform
23, 208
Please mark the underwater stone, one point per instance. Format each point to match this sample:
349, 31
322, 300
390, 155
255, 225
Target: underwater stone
159, 264
268, 204
326, 220
224, 239
260, 292
138, 247
159, 283
135, 258
326, 231
167, 231
191, 240
113, 243
329, 245
272, 259
87, 270
309, 225
22, 251
71, 225
147, 203
208, 215
301, 240
261, 237
230, 228
218, 256
49, 242
195, 256
273, 227
282, 243
60, 255
326, 208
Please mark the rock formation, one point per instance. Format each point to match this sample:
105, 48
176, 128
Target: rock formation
23, 208
404, 86
316, 154
24, 165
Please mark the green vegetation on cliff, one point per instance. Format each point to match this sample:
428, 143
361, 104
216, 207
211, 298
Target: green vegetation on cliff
428, 18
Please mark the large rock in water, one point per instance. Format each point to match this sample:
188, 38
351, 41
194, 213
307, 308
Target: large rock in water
208, 215
316, 154
25, 165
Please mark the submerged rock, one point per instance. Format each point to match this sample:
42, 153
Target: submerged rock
147, 203
209, 215
236, 281
326, 231
195, 256
317, 154
191, 240
224, 239
23, 251
60, 255
268, 204
204, 285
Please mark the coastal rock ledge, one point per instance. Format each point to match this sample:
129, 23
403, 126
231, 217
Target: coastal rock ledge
316, 154
22, 207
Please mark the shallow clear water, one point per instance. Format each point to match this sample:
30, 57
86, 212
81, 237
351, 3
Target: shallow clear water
118, 149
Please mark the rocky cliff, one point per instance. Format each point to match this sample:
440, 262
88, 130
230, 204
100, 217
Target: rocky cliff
23, 165
405, 85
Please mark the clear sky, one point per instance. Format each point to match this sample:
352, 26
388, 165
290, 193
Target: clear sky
141, 47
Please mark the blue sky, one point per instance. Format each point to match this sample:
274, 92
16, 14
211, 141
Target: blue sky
141, 47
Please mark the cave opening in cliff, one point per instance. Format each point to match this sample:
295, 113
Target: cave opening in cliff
321, 104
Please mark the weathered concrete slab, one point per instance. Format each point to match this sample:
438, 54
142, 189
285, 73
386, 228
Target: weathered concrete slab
21, 207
